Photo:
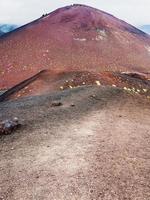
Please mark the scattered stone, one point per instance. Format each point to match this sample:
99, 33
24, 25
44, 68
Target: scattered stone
98, 83
129, 89
138, 90
93, 96
56, 103
145, 90
8, 126
125, 88
72, 105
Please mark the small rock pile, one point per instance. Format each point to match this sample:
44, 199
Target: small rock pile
8, 126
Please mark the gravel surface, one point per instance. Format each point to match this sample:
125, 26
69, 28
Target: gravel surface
97, 149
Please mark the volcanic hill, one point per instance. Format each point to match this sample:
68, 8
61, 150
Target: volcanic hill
63, 141
75, 40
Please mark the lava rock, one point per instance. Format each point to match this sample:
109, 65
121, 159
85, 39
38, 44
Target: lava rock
56, 103
8, 126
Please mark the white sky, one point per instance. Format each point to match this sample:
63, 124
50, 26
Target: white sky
136, 12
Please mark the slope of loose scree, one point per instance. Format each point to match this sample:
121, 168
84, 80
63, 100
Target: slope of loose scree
73, 38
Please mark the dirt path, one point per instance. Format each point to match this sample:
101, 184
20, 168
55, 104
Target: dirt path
99, 149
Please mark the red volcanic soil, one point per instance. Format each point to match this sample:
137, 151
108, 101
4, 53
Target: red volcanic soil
72, 40
47, 81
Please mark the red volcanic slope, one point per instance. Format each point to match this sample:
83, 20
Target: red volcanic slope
73, 38
47, 81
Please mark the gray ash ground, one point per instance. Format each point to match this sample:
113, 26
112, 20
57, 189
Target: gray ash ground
98, 149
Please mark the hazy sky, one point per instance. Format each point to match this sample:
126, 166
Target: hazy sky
136, 12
